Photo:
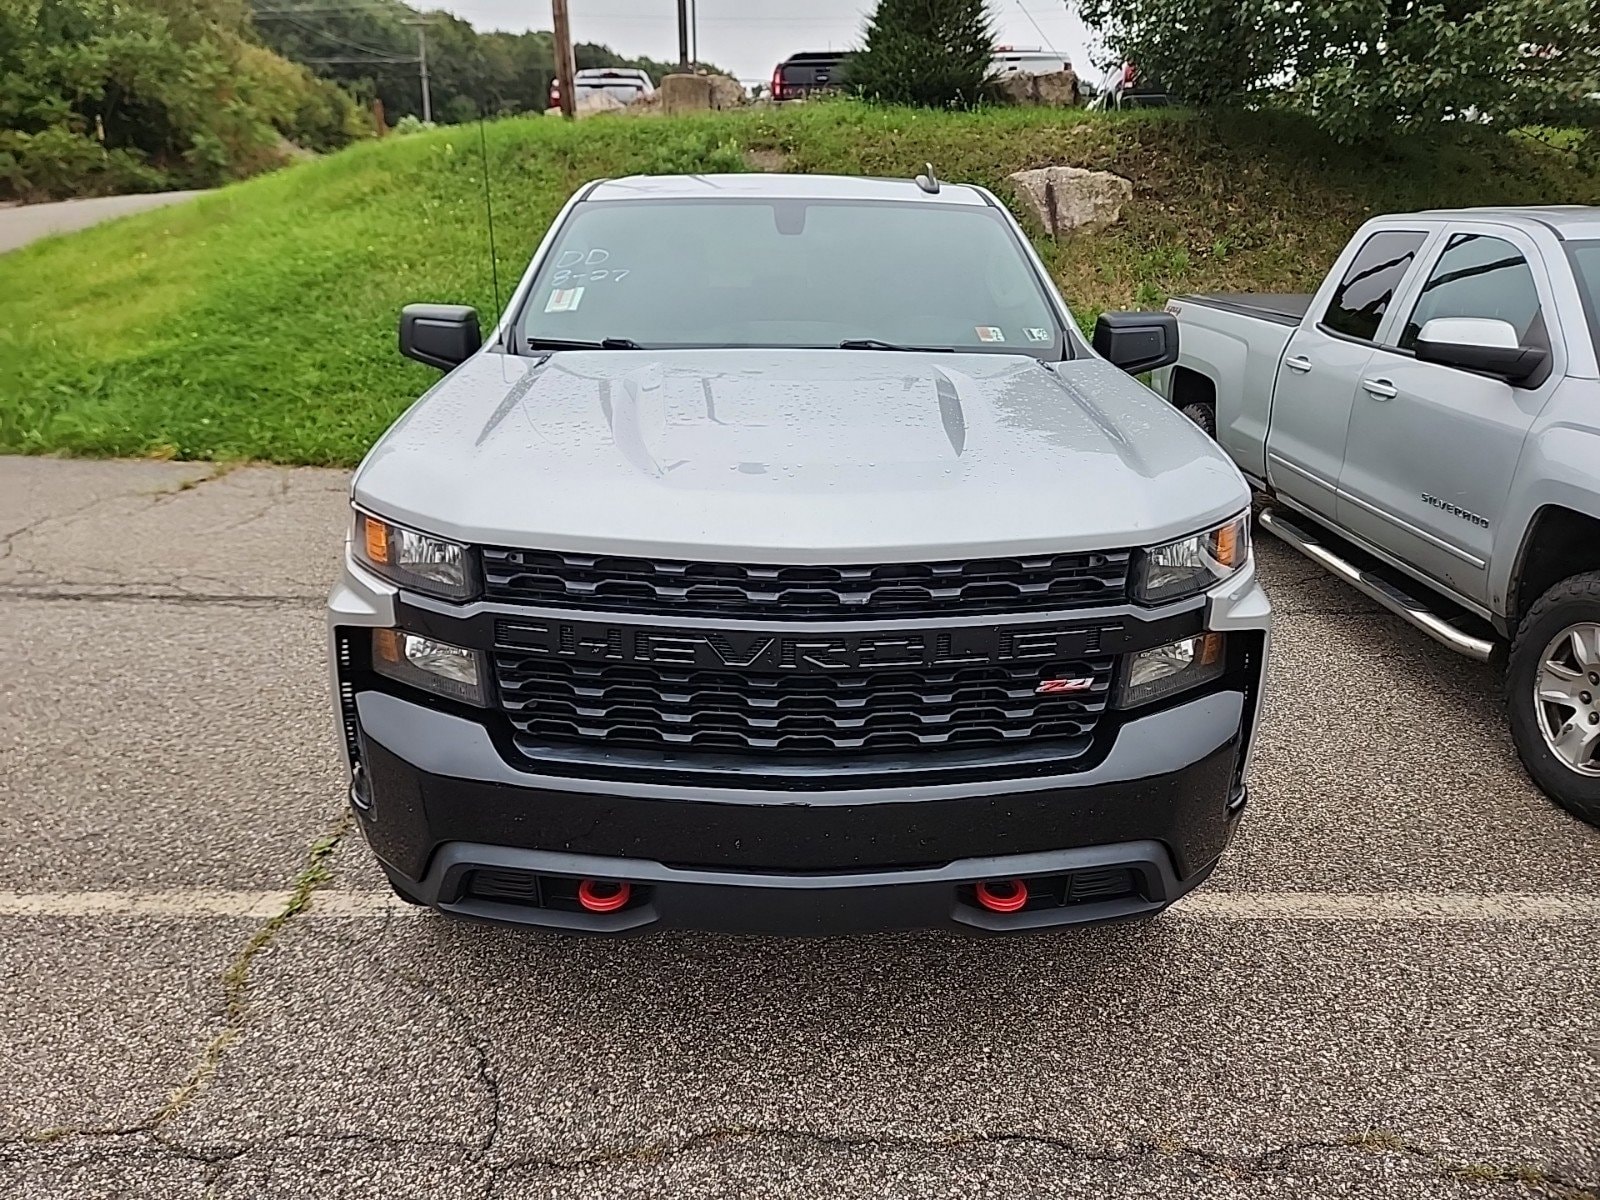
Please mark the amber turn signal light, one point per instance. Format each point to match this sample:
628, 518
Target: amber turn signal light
375, 535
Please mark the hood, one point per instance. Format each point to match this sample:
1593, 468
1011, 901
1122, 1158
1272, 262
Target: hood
797, 456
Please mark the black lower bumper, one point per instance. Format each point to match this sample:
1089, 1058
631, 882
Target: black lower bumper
1127, 880
457, 827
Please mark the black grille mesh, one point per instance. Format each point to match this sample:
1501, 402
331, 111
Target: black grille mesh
1047, 582
894, 709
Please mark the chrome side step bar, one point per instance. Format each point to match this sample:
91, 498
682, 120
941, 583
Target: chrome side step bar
1401, 603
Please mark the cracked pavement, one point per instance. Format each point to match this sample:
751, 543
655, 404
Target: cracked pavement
164, 726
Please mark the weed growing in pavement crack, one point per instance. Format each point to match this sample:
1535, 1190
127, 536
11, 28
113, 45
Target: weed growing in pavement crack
1382, 1139
235, 996
218, 470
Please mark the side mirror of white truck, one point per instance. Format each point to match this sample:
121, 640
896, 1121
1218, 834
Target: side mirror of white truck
1479, 344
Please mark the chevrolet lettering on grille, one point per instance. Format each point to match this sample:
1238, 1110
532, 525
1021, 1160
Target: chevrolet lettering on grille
586, 641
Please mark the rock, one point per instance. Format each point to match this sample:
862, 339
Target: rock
726, 92
593, 102
699, 93
1058, 89
1069, 199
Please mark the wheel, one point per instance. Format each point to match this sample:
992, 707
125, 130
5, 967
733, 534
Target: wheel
1203, 415
1553, 694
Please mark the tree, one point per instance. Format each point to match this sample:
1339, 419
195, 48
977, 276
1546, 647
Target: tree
131, 95
1361, 67
934, 53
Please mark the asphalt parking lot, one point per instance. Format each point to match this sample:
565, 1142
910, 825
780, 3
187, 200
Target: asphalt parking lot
1390, 989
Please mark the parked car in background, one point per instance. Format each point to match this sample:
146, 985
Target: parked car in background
810, 73
707, 592
625, 84
1427, 427
1125, 87
1013, 60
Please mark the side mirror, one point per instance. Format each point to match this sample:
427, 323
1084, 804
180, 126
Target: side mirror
1137, 341
1479, 344
441, 335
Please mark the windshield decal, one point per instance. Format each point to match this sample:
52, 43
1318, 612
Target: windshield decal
1037, 335
990, 333
564, 300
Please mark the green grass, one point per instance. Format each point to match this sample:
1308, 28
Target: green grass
258, 322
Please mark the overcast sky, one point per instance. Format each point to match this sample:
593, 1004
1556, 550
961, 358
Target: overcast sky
749, 37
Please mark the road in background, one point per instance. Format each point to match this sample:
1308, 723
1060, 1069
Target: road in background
1389, 989
24, 223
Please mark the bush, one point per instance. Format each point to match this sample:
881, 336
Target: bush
58, 163
125, 95
930, 53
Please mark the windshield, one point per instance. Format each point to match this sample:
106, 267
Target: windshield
1586, 264
790, 273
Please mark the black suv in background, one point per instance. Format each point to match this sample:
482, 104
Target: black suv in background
813, 73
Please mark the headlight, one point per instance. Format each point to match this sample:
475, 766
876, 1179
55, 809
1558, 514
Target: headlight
415, 560
436, 667
1190, 565
1156, 674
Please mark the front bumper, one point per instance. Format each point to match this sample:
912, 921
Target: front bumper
453, 825
459, 826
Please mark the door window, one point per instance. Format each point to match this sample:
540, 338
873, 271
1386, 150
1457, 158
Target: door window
1368, 286
1479, 276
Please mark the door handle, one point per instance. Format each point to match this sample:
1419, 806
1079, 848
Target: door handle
1380, 389
1299, 363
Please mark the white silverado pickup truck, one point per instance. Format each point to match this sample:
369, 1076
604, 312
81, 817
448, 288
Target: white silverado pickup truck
1427, 427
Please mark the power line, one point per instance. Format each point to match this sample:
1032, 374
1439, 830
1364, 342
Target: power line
1037, 27
321, 10
335, 39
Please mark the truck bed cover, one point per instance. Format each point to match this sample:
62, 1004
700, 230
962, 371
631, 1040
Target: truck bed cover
1283, 308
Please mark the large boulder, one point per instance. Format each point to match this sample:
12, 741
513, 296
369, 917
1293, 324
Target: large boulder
1057, 89
1070, 199
593, 102
727, 92
699, 93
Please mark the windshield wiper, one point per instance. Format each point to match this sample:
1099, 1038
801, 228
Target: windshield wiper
610, 343
878, 344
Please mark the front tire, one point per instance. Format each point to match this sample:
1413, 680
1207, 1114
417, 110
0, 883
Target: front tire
1203, 415
1553, 694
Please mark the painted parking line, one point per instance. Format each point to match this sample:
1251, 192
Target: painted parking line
198, 904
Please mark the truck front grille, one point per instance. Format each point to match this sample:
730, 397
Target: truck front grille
652, 706
605, 583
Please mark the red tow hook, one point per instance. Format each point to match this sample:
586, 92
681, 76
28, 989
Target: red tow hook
599, 896
1002, 895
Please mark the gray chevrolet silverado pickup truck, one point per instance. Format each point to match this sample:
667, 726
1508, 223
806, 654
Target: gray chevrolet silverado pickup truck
785, 560
1427, 427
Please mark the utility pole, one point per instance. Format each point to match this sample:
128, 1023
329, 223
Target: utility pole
564, 69
694, 33
683, 35
422, 65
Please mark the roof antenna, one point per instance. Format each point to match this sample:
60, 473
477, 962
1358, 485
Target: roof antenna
488, 210
928, 181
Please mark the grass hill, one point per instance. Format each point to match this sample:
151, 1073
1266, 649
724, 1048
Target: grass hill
258, 321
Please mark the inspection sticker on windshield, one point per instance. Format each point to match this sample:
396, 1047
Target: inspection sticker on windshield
564, 300
1037, 335
990, 333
